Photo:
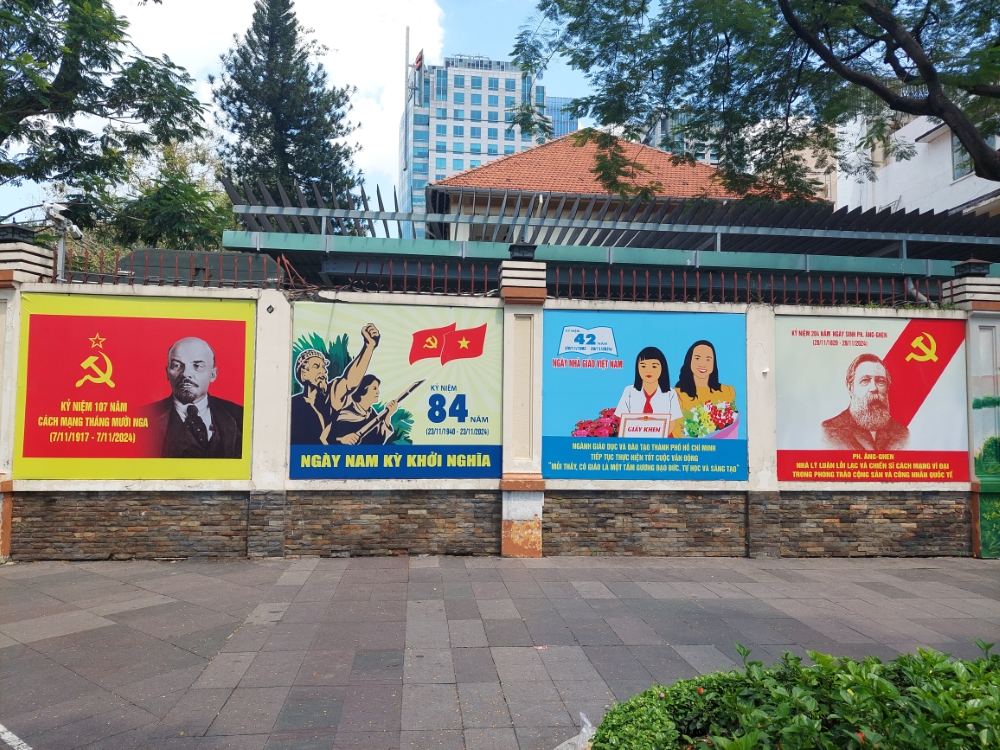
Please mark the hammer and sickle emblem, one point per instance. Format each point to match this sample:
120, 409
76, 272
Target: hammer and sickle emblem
929, 351
102, 376
431, 342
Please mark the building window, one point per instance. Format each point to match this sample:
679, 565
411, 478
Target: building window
475, 148
418, 184
439, 177
509, 84
493, 100
420, 152
459, 98
458, 114
491, 150
476, 115
491, 133
421, 135
508, 117
427, 91
525, 136
441, 86
441, 129
508, 102
476, 100
419, 200
459, 82
458, 163
494, 84
442, 113
475, 132
508, 150
441, 147
961, 163
458, 148
526, 89
508, 134
493, 117
440, 163
419, 166
458, 131
539, 96
477, 82
421, 119
474, 163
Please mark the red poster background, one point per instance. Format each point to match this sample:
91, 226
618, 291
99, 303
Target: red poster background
903, 466
137, 348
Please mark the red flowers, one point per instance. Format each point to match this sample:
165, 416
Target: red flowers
721, 417
605, 425
701, 690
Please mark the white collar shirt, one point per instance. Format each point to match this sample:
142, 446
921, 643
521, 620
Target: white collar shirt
203, 411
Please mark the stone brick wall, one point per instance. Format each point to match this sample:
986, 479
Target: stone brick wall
392, 522
819, 524
644, 523
122, 525
266, 525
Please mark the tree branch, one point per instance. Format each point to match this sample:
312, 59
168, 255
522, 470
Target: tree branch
895, 101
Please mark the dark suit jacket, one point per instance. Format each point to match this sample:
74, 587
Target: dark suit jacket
843, 433
171, 439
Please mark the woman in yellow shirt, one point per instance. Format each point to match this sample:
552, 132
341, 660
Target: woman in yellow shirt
698, 383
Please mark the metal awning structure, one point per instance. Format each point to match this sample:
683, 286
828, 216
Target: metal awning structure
611, 222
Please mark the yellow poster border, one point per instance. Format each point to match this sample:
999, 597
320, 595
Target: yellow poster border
178, 308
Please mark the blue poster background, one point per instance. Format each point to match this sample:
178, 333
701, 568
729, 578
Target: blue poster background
578, 385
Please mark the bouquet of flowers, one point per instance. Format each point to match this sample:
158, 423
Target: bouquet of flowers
706, 420
605, 425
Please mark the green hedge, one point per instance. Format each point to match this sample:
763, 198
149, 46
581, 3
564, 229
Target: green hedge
919, 701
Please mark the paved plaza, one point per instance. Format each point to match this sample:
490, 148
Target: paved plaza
430, 652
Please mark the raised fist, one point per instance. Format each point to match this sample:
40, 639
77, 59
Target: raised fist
371, 334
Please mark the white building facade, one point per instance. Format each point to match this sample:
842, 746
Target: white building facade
938, 177
458, 116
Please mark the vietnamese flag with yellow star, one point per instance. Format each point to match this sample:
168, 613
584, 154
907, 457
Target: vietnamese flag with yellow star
463, 344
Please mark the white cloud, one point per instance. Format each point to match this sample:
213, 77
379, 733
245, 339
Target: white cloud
366, 49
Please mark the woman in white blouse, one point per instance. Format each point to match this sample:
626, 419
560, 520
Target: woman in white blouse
651, 392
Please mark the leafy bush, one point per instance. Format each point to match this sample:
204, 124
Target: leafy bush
922, 701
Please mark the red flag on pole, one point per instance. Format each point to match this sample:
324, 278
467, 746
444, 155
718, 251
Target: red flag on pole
464, 344
429, 343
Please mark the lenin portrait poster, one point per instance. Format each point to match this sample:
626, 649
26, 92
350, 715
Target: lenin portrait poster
871, 399
134, 388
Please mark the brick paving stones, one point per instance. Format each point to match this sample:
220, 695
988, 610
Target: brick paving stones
431, 652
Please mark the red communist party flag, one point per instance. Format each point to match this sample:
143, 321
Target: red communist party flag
464, 344
429, 343
916, 361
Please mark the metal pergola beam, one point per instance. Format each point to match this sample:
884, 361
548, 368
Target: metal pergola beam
576, 224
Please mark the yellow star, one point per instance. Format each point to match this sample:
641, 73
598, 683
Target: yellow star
463, 343
97, 341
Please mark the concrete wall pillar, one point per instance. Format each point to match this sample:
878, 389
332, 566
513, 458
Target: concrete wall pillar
763, 499
522, 287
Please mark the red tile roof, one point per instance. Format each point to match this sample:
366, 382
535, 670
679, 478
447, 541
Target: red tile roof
560, 166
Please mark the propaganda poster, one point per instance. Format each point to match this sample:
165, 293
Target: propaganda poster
396, 392
132, 388
871, 399
644, 395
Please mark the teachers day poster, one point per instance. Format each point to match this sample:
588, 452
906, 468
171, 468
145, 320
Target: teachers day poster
644, 396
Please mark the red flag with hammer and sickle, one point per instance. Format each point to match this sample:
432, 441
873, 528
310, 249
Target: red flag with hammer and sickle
428, 343
916, 361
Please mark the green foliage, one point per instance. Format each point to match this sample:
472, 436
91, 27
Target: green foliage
986, 402
922, 701
989, 524
285, 122
988, 458
66, 61
782, 91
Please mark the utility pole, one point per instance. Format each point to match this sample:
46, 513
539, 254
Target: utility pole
62, 225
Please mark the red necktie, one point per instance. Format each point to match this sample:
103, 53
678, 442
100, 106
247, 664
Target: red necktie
648, 408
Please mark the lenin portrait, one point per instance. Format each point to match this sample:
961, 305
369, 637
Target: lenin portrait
190, 422
867, 423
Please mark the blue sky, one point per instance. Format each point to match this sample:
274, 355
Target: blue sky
366, 49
